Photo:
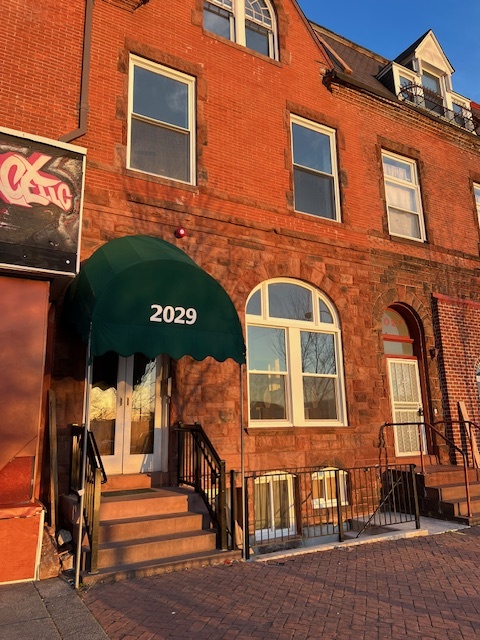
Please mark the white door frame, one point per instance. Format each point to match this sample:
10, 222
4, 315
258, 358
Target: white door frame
412, 410
122, 461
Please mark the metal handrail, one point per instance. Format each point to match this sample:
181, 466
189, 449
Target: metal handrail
422, 459
200, 467
95, 476
464, 423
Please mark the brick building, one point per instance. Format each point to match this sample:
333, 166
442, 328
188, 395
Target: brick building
331, 194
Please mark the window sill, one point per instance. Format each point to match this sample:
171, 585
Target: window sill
240, 47
327, 428
148, 177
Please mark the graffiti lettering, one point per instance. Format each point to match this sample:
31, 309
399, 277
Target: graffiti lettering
23, 184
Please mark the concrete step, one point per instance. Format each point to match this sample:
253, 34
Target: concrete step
453, 509
448, 474
128, 481
141, 502
451, 492
138, 528
160, 566
112, 554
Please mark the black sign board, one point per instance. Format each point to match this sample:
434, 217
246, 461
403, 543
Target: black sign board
41, 192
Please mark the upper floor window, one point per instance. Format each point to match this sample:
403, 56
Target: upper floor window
250, 23
405, 216
161, 121
315, 169
476, 191
294, 357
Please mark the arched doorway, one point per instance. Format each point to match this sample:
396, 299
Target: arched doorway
401, 348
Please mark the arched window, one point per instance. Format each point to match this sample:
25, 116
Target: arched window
250, 23
295, 369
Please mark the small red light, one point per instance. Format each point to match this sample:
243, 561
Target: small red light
180, 232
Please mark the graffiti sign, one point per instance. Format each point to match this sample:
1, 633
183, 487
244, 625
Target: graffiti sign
41, 189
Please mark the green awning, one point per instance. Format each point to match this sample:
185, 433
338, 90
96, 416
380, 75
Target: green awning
143, 295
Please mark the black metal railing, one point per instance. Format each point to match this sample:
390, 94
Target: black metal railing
426, 429
426, 99
95, 476
301, 507
200, 467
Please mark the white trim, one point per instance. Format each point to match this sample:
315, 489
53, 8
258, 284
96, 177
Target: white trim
47, 141
178, 76
293, 374
413, 185
271, 533
321, 477
238, 22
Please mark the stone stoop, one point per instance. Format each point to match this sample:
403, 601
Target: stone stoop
146, 531
442, 493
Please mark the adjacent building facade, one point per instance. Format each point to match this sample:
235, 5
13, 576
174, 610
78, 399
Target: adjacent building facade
332, 193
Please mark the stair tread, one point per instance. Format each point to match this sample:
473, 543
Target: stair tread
132, 494
153, 539
150, 518
161, 565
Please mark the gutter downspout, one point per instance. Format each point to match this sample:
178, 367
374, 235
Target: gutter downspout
84, 83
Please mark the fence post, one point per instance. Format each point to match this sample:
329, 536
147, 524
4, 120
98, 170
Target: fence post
338, 493
222, 508
246, 536
180, 453
233, 509
415, 496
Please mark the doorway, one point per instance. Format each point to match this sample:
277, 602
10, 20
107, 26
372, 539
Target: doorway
405, 390
129, 406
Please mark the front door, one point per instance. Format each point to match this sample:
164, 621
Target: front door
406, 405
129, 412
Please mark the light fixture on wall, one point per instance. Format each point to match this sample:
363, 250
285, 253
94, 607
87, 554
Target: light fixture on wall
180, 232
433, 353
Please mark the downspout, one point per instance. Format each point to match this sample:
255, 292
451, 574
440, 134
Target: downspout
86, 58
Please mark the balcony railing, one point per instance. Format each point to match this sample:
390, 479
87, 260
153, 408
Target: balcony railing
433, 102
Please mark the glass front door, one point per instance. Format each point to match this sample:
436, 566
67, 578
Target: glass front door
129, 412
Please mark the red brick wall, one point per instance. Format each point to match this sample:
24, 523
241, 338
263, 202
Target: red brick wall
459, 357
240, 222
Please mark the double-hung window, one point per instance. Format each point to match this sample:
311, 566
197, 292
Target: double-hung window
294, 357
250, 23
404, 207
315, 169
161, 121
476, 191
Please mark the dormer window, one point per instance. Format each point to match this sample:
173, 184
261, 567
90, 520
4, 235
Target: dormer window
421, 75
250, 23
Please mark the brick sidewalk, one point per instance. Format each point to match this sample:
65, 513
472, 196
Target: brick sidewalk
420, 588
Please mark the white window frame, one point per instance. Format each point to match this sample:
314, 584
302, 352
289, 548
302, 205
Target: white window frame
413, 186
294, 395
476, 193
322, 477
189, 81
239, 18
331, 135
270, 534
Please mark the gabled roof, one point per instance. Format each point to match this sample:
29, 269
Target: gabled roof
362, 64
432, 52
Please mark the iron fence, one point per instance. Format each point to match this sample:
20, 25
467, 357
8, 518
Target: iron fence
301, 507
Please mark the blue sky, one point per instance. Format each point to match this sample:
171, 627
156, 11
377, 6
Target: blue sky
388, 28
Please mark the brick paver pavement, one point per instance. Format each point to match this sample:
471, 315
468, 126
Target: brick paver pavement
426, 588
